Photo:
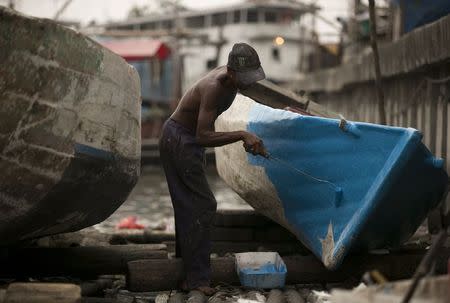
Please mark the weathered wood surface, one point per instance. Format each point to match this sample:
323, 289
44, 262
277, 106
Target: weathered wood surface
69, 129
226, 247
275, 96
241, 218
42, 293
94, 288
78, 261
147, 275
270, 233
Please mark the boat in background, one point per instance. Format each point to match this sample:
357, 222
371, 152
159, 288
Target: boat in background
339, 186
69, 129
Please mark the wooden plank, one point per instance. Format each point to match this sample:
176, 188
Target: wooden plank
376, 59
238, 234
274, 234
83, 261
270, 94
152, 275
444, 135
224, 247
218, 233
148, 275
433, 101
42, 293
241, 218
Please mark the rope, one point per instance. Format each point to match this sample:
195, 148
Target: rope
335, 187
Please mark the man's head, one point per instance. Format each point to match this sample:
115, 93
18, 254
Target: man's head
244, 62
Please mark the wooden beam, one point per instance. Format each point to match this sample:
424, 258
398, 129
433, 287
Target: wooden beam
148, 275
269, 233
78, 261
270, 94
224, 247
241, 218
42, 292
376, 59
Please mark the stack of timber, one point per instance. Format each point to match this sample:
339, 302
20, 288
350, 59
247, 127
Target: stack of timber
69, 129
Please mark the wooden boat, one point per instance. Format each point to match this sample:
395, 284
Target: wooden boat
339, 186
69, 129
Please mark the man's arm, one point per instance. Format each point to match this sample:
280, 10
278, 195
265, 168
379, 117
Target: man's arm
206, 136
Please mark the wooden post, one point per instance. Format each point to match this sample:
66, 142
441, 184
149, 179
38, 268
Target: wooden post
445, 103
376, 58
434, 101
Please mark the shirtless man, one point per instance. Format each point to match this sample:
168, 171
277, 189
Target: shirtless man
182, 148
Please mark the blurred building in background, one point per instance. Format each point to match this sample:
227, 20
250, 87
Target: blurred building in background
198, 41
205, 37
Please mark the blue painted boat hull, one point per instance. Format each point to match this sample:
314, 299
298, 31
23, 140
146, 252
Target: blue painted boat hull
338, 189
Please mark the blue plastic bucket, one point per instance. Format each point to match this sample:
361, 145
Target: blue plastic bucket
261, 270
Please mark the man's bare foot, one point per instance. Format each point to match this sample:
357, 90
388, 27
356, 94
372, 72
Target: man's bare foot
209, 291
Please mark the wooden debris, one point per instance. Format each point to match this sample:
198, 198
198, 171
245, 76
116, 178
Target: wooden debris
81, 261
42, 293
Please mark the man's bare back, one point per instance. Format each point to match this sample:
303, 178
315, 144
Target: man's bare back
216, 82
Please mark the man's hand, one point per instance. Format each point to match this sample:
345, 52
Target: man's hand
254, 145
